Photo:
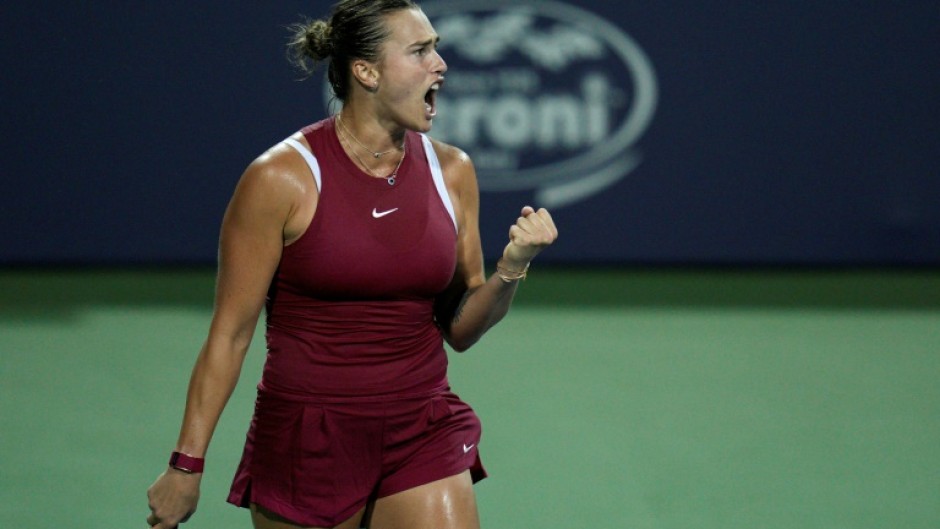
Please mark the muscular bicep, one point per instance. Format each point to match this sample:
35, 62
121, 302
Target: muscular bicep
469, 272
250, 246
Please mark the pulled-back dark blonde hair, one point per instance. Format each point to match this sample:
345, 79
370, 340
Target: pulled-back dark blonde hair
355, 29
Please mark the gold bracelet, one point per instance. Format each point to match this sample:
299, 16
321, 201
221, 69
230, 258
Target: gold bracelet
508, 275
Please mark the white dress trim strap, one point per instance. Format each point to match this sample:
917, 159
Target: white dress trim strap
438, 177
310, 159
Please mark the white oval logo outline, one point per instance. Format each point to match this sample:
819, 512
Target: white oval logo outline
639, 115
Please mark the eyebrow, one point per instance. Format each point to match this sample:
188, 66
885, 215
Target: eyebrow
424, 43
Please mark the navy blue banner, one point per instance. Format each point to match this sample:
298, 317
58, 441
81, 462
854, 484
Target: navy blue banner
674, 133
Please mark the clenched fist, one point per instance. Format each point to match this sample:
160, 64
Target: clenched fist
532, 233
172, 498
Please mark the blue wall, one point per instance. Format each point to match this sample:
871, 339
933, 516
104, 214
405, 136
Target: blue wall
679, 132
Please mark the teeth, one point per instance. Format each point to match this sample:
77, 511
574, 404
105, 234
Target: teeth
429, 99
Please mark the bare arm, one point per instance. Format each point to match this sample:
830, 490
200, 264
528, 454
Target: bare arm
472, 304
251, 240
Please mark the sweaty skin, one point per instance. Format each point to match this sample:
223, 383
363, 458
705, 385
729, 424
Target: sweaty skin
273, 204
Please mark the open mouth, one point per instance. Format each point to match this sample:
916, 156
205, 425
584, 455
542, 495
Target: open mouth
430, 99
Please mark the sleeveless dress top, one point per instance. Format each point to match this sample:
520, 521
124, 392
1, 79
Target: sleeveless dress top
350, 308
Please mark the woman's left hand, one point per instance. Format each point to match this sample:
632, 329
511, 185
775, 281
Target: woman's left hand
532, 233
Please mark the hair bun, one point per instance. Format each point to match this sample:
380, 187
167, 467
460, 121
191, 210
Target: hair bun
354, 29
319, 40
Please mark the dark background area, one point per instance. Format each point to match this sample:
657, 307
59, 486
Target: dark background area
786, 133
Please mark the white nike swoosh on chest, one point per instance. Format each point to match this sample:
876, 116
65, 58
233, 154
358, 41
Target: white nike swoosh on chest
379, 214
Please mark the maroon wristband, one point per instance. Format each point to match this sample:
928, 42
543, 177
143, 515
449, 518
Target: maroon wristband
188, 464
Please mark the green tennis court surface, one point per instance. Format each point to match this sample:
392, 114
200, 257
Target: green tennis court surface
636, 399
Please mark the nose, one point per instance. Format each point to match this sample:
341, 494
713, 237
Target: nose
439, 66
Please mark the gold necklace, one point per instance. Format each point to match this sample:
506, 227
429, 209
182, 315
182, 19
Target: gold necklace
391, 177
339, 119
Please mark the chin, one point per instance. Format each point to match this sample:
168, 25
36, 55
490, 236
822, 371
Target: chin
425, 125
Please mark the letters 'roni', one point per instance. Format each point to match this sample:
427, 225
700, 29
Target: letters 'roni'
543, 95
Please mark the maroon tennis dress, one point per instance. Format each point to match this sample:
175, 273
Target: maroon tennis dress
354, 402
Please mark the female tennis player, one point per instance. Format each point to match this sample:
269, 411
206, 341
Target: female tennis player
359, 236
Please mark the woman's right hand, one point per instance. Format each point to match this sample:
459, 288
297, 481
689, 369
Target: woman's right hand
172, 498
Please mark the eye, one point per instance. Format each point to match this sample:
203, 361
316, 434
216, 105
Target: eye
426, 49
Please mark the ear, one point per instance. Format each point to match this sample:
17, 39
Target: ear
366, 74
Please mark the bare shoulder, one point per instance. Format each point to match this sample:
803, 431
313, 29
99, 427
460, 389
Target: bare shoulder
280, 168
276, 192
278, 181
456, 165
449, 154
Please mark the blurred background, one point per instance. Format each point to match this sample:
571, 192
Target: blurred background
739, 325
